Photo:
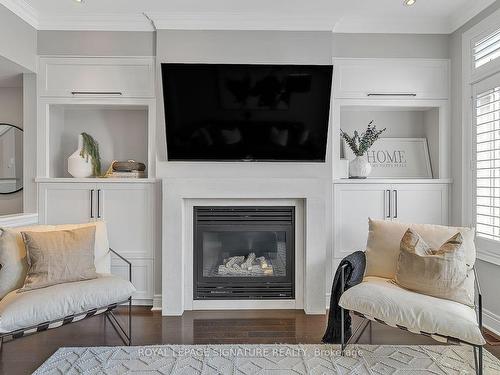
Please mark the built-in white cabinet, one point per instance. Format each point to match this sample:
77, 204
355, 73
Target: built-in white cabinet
391, 78
354, 203
129, 210
96, 77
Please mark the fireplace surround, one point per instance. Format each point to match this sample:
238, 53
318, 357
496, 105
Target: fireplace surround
181, 195
243, 252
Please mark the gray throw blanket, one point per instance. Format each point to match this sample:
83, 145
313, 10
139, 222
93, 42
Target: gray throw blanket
353, 275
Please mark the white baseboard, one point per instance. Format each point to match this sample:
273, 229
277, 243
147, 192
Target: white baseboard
156, 303
142, 302
491, 321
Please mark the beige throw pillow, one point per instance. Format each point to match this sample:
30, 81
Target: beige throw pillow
13, 258
384, 238
441, 272
57, 257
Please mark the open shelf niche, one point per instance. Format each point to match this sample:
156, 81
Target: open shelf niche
400, 122
120, 130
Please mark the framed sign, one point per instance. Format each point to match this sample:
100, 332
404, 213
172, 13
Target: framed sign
397, 158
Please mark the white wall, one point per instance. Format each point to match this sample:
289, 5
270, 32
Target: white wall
11, 112
489, 274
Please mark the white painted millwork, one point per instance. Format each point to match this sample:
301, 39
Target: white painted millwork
393, 78
96, 77
113, 99
410, 203
129, 211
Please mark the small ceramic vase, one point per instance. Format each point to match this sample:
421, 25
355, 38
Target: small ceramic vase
359, 167
78, 166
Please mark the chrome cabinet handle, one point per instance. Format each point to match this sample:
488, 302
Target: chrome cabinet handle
395, 204
92, 203
96, 93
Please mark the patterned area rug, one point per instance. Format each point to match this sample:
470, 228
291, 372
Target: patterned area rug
266, 359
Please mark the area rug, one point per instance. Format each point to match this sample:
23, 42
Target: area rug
266, 359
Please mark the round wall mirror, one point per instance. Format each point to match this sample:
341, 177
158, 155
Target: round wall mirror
11, 158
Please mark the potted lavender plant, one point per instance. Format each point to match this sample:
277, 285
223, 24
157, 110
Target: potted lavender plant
360, 144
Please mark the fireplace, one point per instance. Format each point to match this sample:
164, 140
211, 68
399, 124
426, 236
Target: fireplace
244, 253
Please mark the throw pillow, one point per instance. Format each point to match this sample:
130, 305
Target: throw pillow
13, 260
57, 257
384, 238
441, 272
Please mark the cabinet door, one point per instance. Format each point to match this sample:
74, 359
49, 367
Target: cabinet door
142, 278
371, 78
420, 203
354, 204
66, 203
129, 211
96, 76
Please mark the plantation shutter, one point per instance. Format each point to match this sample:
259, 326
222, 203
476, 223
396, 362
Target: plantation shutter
486, 49
487, 163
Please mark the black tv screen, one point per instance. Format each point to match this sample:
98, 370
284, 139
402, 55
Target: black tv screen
233, 112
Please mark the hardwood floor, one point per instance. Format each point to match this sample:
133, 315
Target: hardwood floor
24, 355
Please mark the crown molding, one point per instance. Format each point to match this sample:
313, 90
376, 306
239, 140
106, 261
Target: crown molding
96, 22
241, 21
465, 14
23, 10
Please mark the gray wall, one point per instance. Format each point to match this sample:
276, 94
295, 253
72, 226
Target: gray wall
11, 112
390, 45
29, 142
17, 40
489, 274
244, 46
96, 43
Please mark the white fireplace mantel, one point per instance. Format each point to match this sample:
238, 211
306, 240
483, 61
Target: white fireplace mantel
176, 251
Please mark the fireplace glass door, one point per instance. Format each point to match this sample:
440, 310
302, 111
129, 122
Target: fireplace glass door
244, 252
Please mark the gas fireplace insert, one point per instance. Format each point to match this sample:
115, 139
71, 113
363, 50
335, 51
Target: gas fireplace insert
244, 252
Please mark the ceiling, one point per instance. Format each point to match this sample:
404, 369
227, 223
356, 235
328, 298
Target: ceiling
360, 16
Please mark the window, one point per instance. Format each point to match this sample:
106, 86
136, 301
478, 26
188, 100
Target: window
487, 163
486, 49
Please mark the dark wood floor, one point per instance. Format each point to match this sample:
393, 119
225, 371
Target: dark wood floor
24, 355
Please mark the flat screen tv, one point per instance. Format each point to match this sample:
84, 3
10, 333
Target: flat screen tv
233, 112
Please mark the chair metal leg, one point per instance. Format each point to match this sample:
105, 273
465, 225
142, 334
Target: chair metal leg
126, 336
480, 372
342, 312
1, 343
370, 332
478, 359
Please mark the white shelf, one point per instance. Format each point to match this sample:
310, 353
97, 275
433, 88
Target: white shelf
97, 180
393, 181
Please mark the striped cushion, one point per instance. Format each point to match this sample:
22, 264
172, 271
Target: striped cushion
58, 323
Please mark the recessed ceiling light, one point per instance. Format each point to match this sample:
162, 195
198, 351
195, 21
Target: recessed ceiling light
79, 1
410, 2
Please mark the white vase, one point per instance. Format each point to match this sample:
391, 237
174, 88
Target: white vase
78, 166
359, 167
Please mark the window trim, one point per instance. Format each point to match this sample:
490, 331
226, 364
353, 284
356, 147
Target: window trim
470, 76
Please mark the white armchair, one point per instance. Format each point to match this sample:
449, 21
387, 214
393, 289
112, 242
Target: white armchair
378, 298
53, 306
